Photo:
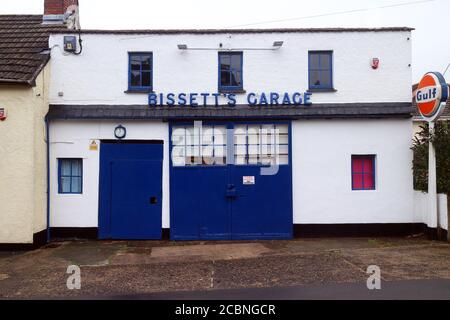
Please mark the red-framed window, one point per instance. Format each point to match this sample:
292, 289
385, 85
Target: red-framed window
363, 172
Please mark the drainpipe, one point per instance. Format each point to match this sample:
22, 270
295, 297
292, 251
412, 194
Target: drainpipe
47, 129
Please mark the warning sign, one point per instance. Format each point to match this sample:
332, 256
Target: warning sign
248, 180
93, 146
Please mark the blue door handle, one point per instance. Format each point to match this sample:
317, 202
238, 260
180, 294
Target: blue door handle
231, 191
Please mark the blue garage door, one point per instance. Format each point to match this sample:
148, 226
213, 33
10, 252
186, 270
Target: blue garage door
231, 181
130, 190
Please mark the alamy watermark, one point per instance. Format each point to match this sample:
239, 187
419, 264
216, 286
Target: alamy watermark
202, 150
374, 280
74, 280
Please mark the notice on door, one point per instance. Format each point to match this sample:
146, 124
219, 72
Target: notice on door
248, 180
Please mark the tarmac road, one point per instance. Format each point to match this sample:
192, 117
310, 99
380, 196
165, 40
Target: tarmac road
436, 289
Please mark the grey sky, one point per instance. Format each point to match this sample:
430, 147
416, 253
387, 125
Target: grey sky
431, 44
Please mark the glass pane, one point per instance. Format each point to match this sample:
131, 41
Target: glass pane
240, 150
313, 61
236, 79
357, 181
239, 160
225, 78
64, 184
357, 165
283, 138
236, 62
146, 62
283, 149
178, 156
76, 168
178, 136
268, 150
225, 62
65, 167
207, 151
135, 79
193, 151
193, 136
282, 129
253, 159
253, 150
76, 184
146, 79
283, 159
314, 79
325, 61
240, 139
135, 64
368, 165
368, 181
325, 78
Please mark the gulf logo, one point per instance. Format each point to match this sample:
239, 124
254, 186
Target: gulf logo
431, 92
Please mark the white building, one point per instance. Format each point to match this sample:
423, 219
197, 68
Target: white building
340, 161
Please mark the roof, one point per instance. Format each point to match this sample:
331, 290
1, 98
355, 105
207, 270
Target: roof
22, 38
416, 114
237, 31
315, 111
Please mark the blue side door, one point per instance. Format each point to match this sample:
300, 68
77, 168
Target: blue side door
130, 191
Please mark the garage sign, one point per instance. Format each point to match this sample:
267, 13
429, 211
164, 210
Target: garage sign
431, 95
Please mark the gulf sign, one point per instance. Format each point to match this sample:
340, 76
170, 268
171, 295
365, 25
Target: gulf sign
431, 95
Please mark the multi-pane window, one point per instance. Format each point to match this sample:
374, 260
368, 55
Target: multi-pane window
230, 71
261, 144
363, 172
140, 71
199, 145
70, 172
321, 70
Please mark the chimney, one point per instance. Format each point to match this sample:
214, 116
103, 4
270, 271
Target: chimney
61, 12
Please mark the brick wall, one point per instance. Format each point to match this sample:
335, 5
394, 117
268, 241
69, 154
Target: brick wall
57, 6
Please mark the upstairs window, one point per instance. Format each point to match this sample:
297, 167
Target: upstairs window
363, 172
70, 172
230, 71
320, 70
140, 71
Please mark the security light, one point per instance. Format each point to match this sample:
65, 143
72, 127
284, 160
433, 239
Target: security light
182, 46
278, 44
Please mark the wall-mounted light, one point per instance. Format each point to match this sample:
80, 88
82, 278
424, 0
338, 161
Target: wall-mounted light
182, 46
278, 44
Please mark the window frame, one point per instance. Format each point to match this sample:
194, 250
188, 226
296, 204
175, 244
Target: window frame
60, 190
373, 159
140, 88
310, 70
230, 89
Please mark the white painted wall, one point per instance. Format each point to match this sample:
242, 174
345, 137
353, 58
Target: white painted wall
421, 210
322, 183
322, 152
100, 74
71, 139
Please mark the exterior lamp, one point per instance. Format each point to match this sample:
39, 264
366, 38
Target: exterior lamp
182, 46
278, 44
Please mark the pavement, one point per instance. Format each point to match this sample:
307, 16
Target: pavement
298, 268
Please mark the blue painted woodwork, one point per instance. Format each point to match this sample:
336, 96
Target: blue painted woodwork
130, 204
212, 203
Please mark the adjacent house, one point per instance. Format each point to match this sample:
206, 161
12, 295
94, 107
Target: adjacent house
24, 85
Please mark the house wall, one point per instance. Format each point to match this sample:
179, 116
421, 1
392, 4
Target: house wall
322, 183
100, 74
22, 161
71, 139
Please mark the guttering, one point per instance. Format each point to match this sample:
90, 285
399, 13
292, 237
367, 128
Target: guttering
47, 129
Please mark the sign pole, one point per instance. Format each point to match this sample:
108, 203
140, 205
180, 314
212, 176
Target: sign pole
431, 96
432, 184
